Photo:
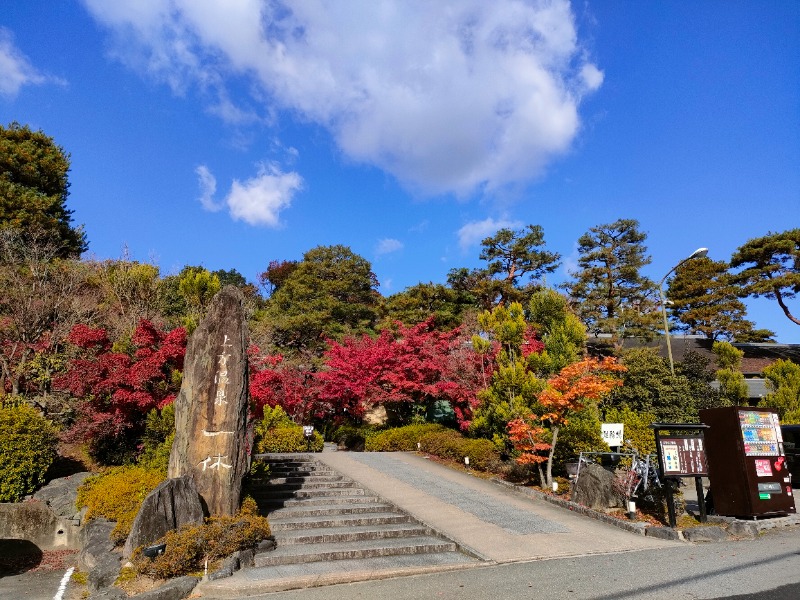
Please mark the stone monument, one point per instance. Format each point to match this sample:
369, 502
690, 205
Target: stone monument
211, 410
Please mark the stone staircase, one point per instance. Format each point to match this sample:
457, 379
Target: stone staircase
329, 529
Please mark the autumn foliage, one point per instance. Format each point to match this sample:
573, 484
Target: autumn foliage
567, 392
416, 365
119, 388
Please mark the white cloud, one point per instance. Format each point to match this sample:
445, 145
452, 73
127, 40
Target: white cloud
15, 68
260, 200
208, 187
387, 246
473, 233
448, 96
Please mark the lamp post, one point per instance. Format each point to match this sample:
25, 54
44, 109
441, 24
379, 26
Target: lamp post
699, 253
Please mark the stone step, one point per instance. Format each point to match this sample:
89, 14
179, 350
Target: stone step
307, 485
299, 479
296, 554
323, 510
278, 503
294, 523
264, 580
268, 495
285, 457
299, 467
324, 535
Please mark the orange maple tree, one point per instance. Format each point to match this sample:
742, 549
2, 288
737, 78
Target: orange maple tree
567, 392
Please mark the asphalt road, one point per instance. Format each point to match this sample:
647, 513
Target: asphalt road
767, 567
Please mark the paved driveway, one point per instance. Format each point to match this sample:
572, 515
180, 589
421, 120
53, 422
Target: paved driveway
488, 520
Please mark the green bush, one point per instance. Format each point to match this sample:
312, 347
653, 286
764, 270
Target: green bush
117, 495
579, 435
157, 439
483, 454
289, 439
352, 437
27, 449
400, 439
437, 440
276, 432
188, 548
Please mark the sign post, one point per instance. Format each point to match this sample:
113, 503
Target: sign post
613, 434
679, 456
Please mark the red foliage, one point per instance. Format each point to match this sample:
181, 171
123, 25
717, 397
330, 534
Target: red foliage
119, 389
531, 344
275, 383
413, 364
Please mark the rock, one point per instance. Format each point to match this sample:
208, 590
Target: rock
173, 503
174, 589
705, 534
246, 558
595, 488
60, 494
747, 529
111, 593
36, 522
266, 545
95, 542
663, 533
211, 439
105, 571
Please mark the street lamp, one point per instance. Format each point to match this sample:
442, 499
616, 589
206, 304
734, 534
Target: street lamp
699, 253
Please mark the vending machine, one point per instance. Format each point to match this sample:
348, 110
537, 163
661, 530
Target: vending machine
746, 462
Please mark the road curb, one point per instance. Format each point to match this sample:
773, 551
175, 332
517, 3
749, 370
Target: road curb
734, 528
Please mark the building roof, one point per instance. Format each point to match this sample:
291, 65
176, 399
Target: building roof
756, 356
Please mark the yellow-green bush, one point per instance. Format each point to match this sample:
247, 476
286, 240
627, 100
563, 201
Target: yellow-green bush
276, 432
400, 439
637, 428
188, 548
437, 440
289, 439
117, 494
27, 449
482, 453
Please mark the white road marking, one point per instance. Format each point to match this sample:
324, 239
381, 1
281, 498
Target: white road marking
64, 581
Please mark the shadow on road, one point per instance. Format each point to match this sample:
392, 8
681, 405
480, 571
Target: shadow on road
18, 556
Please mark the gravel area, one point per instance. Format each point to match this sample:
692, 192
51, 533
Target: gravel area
488, 509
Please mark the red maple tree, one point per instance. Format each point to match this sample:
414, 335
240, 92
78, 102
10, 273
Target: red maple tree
118, 389
416, 365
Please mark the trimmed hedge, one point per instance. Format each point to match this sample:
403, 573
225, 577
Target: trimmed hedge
27, 449
439, 441
276, 432
400, 439
289, 439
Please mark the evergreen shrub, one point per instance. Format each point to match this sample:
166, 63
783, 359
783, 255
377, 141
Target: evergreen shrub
289, 439
276, 432
27, 449
437, 440
117, 494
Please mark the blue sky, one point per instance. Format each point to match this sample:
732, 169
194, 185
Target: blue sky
228, 134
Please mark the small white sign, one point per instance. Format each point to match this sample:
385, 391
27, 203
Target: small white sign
612, 433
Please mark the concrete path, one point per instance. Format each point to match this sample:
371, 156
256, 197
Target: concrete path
488, 520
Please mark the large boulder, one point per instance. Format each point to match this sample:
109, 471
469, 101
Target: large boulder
37, 523
98, 556
211, 410
595, 488
173, 503
61, 494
